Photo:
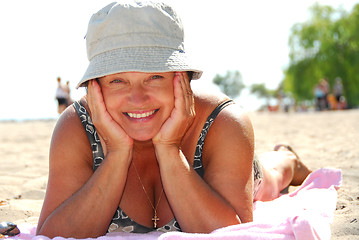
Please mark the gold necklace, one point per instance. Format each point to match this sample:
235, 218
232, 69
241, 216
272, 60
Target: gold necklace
155, 217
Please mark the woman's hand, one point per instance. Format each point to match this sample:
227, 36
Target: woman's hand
111, 132
182, 115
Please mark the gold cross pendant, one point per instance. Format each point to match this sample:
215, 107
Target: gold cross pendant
155, 219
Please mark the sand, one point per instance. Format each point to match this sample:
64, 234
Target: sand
321, 139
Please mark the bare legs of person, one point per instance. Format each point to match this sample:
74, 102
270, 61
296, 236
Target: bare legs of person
281, 168
61, 108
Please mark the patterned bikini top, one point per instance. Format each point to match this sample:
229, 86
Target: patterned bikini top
120, 221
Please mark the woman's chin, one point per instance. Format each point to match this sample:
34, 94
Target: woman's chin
142, 137
143, 133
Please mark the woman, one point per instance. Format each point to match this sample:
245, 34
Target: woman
61, 97
130, 155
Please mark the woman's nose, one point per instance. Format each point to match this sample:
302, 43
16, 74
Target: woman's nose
138, 95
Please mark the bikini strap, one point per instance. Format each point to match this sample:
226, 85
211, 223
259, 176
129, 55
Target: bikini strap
198, 162
97, 151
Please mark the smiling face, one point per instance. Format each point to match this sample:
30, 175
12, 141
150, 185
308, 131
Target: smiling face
139, 102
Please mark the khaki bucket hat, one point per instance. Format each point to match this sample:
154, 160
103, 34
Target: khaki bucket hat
136, 36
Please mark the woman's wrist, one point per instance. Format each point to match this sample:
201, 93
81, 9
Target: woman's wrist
166, 148
123, 155
169, 155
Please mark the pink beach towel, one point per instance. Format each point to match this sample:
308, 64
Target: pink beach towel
304, 214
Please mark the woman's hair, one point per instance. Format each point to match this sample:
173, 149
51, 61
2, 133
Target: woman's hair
190, 75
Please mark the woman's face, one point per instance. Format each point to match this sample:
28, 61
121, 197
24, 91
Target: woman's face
139, 102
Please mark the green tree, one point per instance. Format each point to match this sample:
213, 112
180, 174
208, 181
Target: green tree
230, 84
327, 45
261, 91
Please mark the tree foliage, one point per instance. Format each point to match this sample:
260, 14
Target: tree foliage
261, 91
327, 45
231, 83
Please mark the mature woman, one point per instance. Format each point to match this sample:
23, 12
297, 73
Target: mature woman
141, 151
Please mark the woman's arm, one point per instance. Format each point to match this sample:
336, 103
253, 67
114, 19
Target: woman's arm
80, 203
224, 197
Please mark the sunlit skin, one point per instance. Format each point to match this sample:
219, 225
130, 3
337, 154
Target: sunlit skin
152, 120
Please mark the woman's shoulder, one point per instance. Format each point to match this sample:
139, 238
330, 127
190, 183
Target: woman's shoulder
230, 138
206, 102
69, 130
232, 123
68, 120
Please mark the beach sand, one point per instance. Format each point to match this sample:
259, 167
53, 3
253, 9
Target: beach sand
321, 139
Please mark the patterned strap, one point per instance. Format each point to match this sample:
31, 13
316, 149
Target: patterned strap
97, 151
197, 162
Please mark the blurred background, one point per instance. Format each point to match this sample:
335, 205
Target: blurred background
267, 55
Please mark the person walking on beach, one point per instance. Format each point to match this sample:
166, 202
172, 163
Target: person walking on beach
319, 96
338, 92
326, 89
68, 91
61, 96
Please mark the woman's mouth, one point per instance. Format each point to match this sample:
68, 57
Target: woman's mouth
141, 115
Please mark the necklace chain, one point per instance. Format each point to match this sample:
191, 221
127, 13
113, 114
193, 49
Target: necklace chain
155, 217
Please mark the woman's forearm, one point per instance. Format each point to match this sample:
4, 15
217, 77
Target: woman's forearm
88, 212
197, 207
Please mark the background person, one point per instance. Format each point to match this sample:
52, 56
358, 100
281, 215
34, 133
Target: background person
61, 96
68, 91
338, 91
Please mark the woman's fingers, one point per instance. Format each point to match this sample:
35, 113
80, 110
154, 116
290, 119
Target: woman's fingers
178, 92
173, 130
95, 100
187, 94
91, 98
110, 131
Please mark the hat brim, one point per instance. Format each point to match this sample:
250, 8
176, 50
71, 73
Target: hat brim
139, 59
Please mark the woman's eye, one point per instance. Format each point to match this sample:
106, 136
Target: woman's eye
116, 81
117, 84
156, 77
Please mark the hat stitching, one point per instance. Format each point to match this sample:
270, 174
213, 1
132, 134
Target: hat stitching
135, 33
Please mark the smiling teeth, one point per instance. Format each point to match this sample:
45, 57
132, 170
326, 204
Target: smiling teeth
141, 115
